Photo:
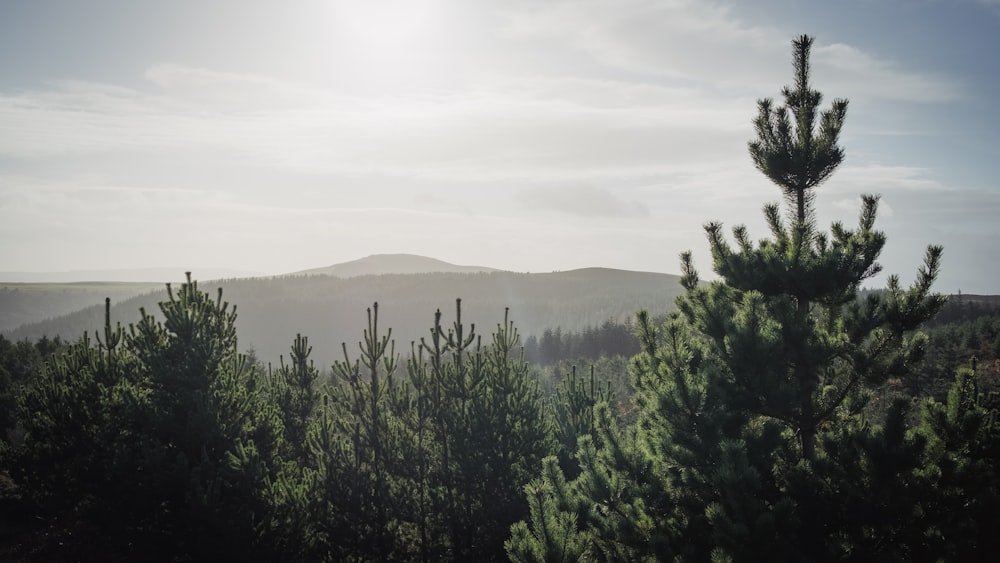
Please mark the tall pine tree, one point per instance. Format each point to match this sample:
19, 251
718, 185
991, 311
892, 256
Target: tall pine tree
742, 391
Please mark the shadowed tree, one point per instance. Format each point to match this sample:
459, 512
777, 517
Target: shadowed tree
743, 392
154, 443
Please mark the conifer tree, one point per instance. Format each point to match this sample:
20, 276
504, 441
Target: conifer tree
79, 447
490, 430
293, 387
964, 436
573, 412
154, 443
353, 444
427, 469
747, 394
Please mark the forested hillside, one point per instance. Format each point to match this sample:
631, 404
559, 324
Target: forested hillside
26, 303
328, 309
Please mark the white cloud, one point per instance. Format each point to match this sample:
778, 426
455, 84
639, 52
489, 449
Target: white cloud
680, 38
533, 128
703, 42
876, 178
863, 74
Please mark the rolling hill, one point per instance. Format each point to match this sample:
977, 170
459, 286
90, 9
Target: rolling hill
25, 303
378, 264
331, 310
28, 298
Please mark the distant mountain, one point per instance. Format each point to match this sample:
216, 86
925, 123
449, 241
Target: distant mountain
32, 297
331, 310
378, 264
24, 303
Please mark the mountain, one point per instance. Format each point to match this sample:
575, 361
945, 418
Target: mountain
378, 264
31, 297
330, 310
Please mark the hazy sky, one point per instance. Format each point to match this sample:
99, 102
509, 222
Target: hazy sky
526, 135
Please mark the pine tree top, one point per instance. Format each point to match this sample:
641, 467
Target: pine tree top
791, 149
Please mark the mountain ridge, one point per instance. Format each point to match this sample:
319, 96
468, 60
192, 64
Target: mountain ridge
398, 263
331, 310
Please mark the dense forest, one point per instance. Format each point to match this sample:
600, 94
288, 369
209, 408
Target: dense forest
779, 413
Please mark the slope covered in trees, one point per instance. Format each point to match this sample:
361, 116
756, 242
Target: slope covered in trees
27, 303
325, 307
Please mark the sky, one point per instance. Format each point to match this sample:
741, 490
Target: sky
276, 136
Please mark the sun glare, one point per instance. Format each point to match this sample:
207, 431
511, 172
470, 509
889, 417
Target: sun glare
385, 39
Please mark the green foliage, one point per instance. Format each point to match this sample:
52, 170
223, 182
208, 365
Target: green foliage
20, 362
554, 537
964, 435
573, 409
293, 388
751, 441
489, 429
592, 343
426, 467
149, 443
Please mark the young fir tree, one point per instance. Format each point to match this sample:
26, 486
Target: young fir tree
742, 394
489, 432
293, 388
964, 435
76, 463
573, 412
427, 469
353, 444
151, 444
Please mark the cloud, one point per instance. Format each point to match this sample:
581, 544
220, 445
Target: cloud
863, 74
877, 178
582, 200
704, 43
228, 91
525, 128
675, 38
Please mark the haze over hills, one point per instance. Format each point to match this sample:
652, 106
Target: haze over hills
25, 303
331, 310
328, 304
31, 297
378, 264
133, 275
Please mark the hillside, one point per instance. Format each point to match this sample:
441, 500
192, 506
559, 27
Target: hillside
27, 298
22, 303
331, 310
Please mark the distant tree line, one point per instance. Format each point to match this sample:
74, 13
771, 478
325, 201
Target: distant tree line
966, 333
611, 338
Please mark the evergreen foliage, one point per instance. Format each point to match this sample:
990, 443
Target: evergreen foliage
573, 409
150, 442
424, 467
591, 344
293, 388
964, 436
753, 441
